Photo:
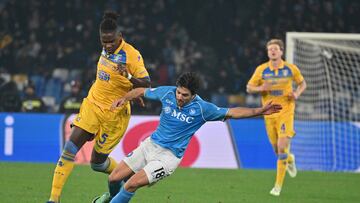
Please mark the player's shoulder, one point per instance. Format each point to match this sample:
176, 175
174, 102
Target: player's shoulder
200, 102
132, 54
290, 65
170, 88
130, 48
163, 89
263, 66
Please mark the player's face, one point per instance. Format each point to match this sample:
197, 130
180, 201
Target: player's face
274, 52
183, 96
110, 41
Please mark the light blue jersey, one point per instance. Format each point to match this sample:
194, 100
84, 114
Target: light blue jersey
178, 125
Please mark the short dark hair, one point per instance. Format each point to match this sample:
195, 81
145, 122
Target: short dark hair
109, 24
189, 80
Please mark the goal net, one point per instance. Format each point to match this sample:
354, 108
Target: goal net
327, 118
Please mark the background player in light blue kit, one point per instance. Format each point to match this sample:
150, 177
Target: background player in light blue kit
183, 113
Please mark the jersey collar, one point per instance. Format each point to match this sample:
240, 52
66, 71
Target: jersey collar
120, 46
280, 66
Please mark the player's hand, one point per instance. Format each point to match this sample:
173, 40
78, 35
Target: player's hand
117, 103
293, 96
265, 87
271, 108
139, 101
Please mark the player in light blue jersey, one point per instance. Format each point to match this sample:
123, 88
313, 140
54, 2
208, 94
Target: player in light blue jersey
183, 113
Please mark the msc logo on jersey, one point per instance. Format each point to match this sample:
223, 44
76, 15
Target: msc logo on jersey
167, 109
182, 117
102, 75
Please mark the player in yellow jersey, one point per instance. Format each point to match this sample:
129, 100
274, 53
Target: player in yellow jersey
120, 68
273, 80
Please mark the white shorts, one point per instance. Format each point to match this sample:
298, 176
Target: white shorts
157, 162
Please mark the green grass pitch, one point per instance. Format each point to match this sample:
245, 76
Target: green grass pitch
28, 182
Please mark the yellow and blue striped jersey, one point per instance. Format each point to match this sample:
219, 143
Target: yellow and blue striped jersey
281, 80
110, 84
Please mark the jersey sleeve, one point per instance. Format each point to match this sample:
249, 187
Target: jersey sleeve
298, 77
137, 67
211, 112
256, 77
157, 93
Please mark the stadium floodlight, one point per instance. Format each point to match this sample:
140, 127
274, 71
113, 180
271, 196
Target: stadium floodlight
328, 112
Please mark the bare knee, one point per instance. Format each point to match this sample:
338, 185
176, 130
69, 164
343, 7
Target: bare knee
282, 145
113, 177
280, 149
136, 181
121, 172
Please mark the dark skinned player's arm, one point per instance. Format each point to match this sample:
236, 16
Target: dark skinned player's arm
140, 82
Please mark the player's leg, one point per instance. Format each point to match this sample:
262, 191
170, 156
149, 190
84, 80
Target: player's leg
102, 163
152, 173
125, 192
132, 163
271, 132
119, 174
136, 181
291, 166
161, 163
281, 165
285, 132
85, 125
65, 164
113, 127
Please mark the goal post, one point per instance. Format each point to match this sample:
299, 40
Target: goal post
327, 118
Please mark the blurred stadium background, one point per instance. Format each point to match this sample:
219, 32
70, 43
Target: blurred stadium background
51, 48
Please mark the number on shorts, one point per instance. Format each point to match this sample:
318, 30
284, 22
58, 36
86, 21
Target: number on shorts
103, 136
159, 173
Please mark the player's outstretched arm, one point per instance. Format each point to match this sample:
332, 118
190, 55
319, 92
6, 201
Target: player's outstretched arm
133, 94
243, 112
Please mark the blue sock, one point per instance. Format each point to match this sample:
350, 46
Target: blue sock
114, 187
123, 196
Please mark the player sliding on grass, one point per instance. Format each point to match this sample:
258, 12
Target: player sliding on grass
183, 113
273, 80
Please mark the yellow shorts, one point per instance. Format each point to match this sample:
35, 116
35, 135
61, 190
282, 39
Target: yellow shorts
282, 126
108, 126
